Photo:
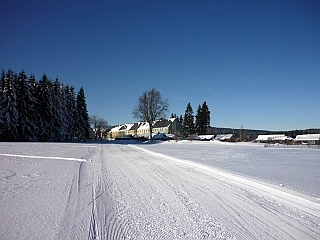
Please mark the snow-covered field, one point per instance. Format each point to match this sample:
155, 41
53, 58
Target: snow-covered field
168, 190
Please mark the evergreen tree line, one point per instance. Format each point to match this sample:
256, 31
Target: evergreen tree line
195, 124
43, 110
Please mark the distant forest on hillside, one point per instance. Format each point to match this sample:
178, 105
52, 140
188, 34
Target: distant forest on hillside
43, 110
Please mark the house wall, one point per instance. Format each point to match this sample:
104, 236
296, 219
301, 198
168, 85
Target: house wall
164, 130
176, 127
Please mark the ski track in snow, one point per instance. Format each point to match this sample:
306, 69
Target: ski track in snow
42, 157
129, 192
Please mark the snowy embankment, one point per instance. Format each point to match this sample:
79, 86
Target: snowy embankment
153, 191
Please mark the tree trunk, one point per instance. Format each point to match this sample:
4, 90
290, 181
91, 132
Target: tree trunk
150, 130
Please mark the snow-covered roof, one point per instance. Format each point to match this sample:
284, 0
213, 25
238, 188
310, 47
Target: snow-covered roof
223, 136
308, 137
122, 127
144, 125
272, 137
172, 119
206, 136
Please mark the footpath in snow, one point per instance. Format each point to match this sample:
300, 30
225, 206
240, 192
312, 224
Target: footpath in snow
140, 191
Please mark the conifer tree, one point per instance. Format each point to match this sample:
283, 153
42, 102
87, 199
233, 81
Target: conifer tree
40, 111
3, 75
181, 119
44, 109
84, 120
188, 121
205, 117
9, 113
34, 111
71, 115
202, 119
59, 111
25, 107
199, 121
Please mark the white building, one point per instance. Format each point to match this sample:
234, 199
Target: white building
312, 139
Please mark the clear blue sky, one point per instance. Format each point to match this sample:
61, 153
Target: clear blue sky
255, 63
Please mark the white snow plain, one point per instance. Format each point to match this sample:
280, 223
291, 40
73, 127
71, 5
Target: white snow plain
167, 190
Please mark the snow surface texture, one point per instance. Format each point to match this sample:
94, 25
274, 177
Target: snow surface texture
168, 190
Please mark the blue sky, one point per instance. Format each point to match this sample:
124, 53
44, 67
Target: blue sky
255, 63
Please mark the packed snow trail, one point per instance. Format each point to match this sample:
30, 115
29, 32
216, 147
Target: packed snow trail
154, 196
119, 191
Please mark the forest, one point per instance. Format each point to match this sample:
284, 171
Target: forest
42, 110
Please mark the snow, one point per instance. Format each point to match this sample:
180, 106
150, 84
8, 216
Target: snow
206, 137
223, 137
308, 137
273, 137
163, 190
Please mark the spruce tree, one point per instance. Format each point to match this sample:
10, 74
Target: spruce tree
40, 111
181, 119
3, 75
199, 121
59, 111
71, 114
205, 117
84, 120
34, 112
188, 121
45, 109
202, 119
25, 107
9, 113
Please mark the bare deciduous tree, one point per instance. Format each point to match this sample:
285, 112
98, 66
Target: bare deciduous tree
151, 107
100, 126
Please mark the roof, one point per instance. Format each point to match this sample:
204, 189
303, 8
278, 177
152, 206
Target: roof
143, 125
121, 127
162, 123
172, 119
135, 126
223, 136
308, 137
270, 137
206, 136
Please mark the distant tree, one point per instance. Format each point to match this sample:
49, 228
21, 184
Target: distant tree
103, 127
45, 109
188, 121
205, 117
59, 111
84, 120
2, 80
243, 134
99, 125
202, 119
181, 119
8, 101
71, 114
94, 125
173, 115
151, 107
26, 104
33, 113
199, 121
